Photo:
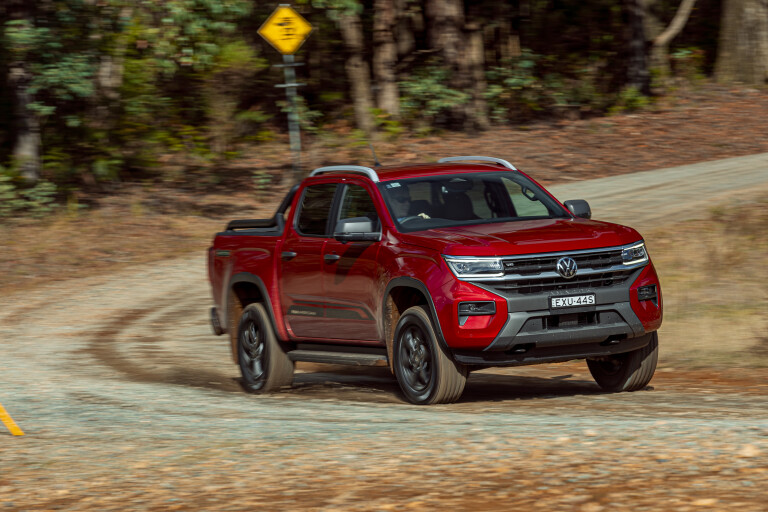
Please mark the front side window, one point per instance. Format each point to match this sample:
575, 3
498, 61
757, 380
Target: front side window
314, 209
355, 203
466, 199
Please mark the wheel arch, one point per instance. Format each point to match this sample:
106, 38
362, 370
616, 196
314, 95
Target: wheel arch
245, 288
400, 294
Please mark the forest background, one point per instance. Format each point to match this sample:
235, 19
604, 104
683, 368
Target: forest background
96, 94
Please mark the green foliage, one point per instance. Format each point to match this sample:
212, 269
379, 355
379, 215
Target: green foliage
688, 63
515, 88
308, 119
261, 181
116, 84
140, 89
425, 94
254, 116
629, 99
384, 122
36, 201
528, 87
336, 8
186, 33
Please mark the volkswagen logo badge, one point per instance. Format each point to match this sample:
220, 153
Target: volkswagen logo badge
567, 267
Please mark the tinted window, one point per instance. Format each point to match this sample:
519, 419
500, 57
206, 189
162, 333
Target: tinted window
465, 199
358, 203
314, 209
525, 200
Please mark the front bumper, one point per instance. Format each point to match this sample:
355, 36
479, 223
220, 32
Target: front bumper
533, 333
538, 354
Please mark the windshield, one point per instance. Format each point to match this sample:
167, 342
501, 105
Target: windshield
465, 199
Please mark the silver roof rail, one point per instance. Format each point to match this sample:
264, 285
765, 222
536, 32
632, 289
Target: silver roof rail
348, 168
479, 159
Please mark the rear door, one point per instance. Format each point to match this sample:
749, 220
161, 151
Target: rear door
301, 262
351, 273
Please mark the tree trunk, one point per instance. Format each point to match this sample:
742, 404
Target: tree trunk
445, 25
405, 28
638, 75
742, 54
26, 150
658, 58
385, 57
661, 39
475, 57
358, 73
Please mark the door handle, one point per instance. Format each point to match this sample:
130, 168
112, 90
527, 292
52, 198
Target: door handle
331, 258
288, 255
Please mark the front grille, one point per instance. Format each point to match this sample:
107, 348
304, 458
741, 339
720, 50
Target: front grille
537, 274
530, 266
529, 286
570, 320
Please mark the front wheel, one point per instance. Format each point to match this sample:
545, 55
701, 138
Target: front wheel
629, 371
425, 372
263, 363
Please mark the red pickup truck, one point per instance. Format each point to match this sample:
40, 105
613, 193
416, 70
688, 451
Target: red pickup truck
434, 270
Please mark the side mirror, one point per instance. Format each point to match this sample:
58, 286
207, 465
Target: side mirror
356, 229
579, 208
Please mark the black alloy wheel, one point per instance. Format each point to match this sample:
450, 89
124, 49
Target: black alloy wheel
414, 352
424, 369
264, 364
252, 354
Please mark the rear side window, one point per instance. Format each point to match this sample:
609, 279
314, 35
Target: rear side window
314, 209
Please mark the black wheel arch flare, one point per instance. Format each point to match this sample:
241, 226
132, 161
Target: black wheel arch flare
247, 277
410, 282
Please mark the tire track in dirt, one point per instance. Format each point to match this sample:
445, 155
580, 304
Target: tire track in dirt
111, 346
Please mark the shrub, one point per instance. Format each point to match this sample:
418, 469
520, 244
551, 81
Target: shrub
425, 97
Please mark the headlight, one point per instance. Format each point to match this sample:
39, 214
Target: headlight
634, 254
475, 268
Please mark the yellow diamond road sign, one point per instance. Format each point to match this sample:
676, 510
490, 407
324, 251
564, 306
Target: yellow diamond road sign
286, 30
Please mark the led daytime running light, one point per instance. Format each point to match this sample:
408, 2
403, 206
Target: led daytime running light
475, 267
634, 254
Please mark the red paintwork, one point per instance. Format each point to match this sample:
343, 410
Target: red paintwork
650, 314
358, 280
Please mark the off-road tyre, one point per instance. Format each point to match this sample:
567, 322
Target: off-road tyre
264, 365
425, 371
630, 371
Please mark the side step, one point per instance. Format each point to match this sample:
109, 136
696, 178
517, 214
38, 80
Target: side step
348, 358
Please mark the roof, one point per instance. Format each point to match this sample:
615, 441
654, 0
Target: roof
398, 172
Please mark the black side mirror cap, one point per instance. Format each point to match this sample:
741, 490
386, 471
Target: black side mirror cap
357, 237
579, 208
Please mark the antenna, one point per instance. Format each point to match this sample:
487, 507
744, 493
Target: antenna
376, 162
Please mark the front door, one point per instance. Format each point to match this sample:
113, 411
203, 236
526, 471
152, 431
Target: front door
351, 274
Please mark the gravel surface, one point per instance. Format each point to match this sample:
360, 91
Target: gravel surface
128, 402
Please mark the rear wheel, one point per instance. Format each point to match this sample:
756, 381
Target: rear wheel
425, 372
629, 371
264, 365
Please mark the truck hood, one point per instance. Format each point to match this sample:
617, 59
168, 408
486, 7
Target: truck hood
522, 237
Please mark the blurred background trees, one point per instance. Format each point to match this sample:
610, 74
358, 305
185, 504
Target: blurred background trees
94, 91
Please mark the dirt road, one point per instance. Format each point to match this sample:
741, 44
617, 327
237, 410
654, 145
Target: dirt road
129, 402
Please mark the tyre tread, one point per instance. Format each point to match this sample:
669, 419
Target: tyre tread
452, 377
279, 367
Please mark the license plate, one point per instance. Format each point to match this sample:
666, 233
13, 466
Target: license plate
572, 301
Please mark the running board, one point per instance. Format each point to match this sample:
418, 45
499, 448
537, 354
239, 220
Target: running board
348, 358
